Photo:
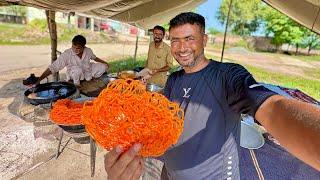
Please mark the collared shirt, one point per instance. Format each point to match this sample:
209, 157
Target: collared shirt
158, 58
69, 59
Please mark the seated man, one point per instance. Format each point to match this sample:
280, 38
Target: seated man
77, 61
159, 59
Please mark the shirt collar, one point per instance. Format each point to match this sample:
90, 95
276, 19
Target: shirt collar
83, 53
161, 45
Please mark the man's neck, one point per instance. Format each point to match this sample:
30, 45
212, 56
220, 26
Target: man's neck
157, 44
80, 55
202, 64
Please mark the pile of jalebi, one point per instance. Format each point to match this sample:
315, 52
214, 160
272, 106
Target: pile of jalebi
66, 112
125, 113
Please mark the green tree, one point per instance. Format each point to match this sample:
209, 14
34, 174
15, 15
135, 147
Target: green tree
16, 10
282, 29
285, 30
311, 40
213, 31
244, 16
166, 26
297, 36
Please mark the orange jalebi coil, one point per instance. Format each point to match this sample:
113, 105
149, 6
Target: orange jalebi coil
66, 112
125, 113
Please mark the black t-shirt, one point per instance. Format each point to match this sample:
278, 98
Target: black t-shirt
213, 100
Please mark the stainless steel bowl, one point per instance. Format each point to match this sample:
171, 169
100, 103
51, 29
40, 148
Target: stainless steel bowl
154, 88
112, 75
108, 78
127, 74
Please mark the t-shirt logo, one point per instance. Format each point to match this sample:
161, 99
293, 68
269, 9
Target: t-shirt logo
186, 91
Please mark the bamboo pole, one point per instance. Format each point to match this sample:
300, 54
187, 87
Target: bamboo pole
136, 48
225, 31
51, 15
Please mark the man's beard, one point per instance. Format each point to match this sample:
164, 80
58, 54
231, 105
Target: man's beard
157, 40
195, 61
76, 52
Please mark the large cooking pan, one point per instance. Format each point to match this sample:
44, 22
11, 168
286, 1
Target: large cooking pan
49, 92
76, 128
73, 128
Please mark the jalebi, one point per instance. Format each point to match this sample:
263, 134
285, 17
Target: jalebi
125, 113
66, 112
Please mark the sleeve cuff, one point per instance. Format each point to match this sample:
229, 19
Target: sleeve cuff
259, 98
51, 68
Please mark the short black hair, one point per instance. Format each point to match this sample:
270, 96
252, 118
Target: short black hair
188, 18
160, 28
79, 40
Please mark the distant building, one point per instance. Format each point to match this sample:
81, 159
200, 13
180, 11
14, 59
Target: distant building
11, 14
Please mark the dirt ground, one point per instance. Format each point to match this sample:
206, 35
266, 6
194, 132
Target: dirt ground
277, 63
28, 145
18, 57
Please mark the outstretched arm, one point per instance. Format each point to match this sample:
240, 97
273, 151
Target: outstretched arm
45, 74
295, 124
56, 66
163, 69
101, 61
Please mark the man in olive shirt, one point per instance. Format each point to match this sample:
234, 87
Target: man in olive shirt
159, 59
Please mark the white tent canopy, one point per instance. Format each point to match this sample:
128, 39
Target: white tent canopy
147, 13
142, 13
305, 12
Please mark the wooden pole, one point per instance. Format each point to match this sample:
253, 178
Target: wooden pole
69, 21
51, 16
226, 30
136, 48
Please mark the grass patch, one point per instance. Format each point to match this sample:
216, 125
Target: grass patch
313, 73
36, 32
308, 58
126, 63
218, 46
310, 87
10, 33
243, 43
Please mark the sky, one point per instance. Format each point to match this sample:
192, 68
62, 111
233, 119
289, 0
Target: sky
209, 10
